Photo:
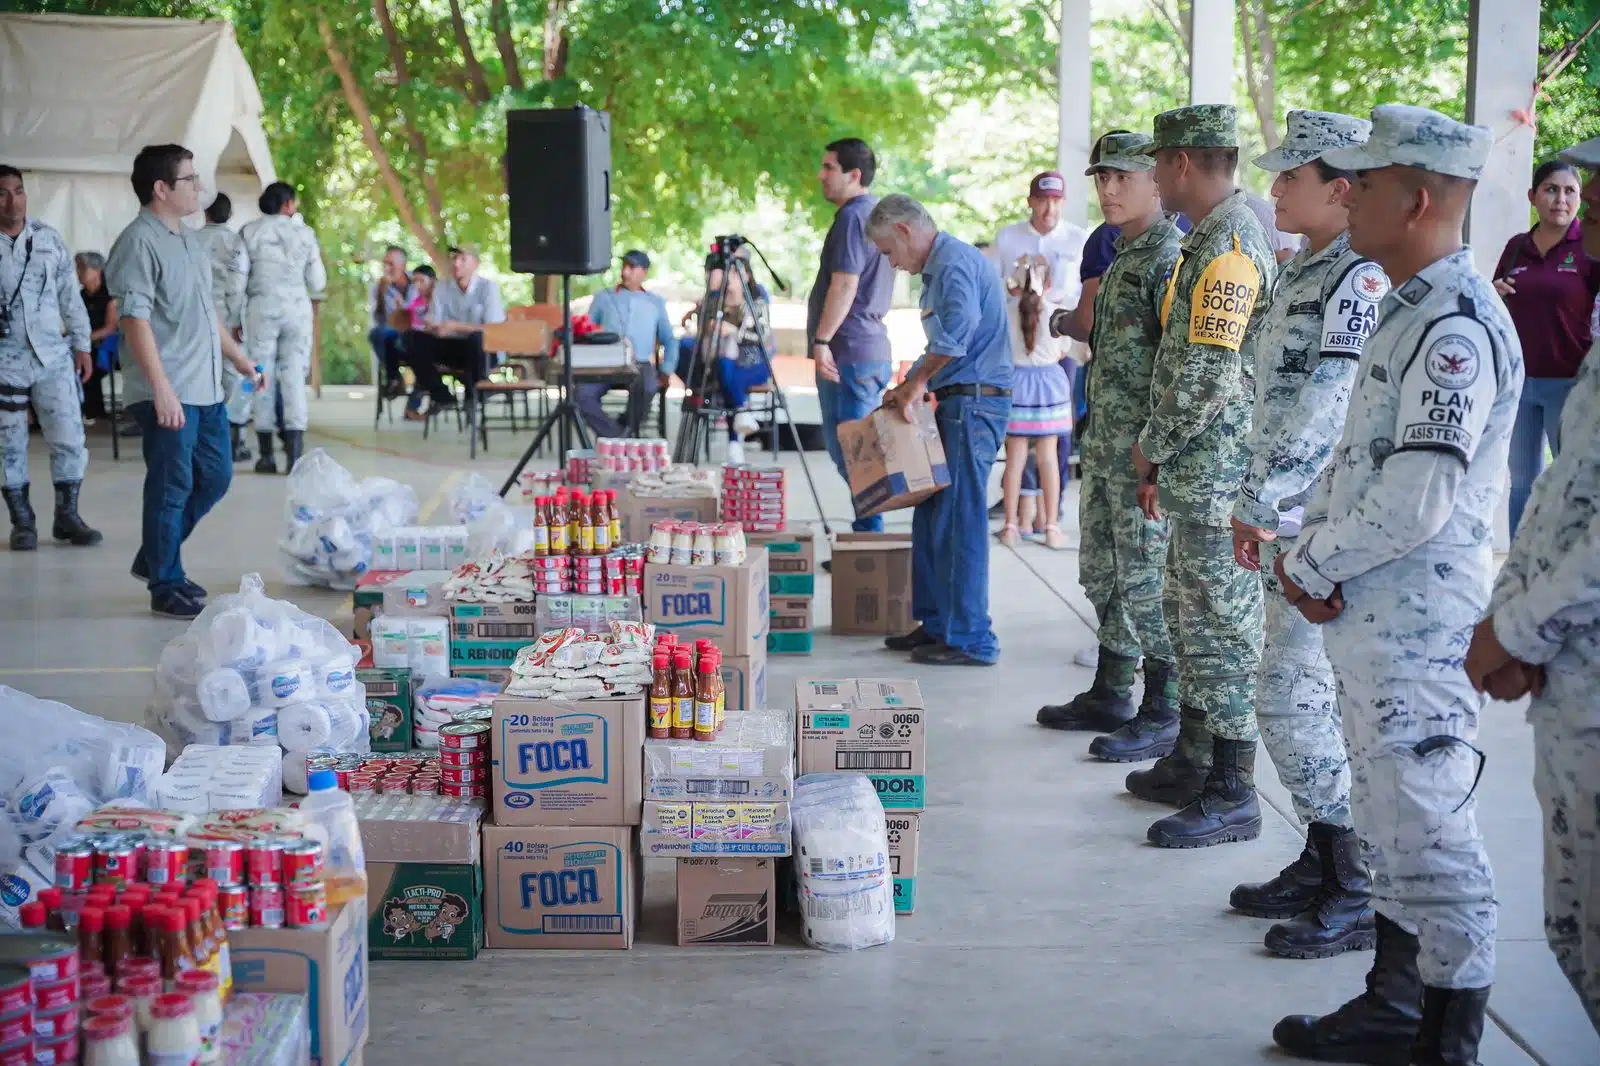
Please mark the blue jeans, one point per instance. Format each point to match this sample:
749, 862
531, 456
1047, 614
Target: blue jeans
387, 344
186, 471
950, 530
1538, 418
857, 393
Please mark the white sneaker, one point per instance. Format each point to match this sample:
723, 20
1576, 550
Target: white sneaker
735, 452
745, 424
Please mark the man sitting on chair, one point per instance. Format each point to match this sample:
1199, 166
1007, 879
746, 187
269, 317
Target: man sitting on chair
454, 338
639, 317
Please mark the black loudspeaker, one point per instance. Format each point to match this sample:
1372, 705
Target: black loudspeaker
558, 179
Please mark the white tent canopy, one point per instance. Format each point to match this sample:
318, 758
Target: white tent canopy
79, 96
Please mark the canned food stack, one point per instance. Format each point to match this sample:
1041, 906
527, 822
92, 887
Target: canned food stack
286, 884
755, 496
41, 987
580, 466
696, 544
415, 773
620, 456
536, 483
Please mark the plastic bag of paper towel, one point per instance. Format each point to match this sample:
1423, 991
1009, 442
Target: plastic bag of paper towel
331, 519
841, 862
255, 670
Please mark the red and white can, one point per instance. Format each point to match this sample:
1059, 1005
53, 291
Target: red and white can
57, 1051
75, 866
452, 757
16, 990
462, 775
375, 766
56, 1023
19, 1054
266, 906
225, 862
360, 783
54, 960
166, 862
464, 736
15, 1028
424, 786
307, 905
58, 995
393, 785
234, 903
302, 863
455, 791
266, 864
116, 864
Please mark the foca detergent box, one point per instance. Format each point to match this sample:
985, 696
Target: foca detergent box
554, 887
872, 727
567, 762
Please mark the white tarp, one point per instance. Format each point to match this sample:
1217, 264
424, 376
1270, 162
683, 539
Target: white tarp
79, 96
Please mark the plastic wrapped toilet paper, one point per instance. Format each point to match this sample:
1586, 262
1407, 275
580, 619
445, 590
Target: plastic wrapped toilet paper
239, 639
336, 676
841, 848
223, 694
303, 726
260, 726
294, 770
346, 721
332, 521
286, 681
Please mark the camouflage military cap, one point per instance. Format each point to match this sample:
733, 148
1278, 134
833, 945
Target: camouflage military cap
1198, 126
1405, 136
1124, 151
1311, 135
1586, 154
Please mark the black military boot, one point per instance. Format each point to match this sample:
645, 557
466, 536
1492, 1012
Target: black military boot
1177, 778
1226, 809
1107, 706
241, 445
1452, 1026
1378, 1026
266, 464
69, 526
1341, 919
24, 527
1296, 887
293, 441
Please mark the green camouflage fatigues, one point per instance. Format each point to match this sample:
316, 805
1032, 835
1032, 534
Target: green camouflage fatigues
1202, 391
1123, 561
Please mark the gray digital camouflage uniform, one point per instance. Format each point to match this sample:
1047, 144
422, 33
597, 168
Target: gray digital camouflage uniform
1324, 306
1202, 393
230, 267
286, 271
48, 323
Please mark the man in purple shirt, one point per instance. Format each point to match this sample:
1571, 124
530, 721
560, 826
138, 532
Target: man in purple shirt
844, 315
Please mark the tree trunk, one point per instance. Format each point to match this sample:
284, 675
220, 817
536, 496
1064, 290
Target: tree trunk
419, 144
500, 19
555, 40
1260, 66
477, 82
369, 132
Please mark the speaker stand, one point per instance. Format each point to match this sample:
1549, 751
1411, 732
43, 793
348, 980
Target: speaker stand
564, 420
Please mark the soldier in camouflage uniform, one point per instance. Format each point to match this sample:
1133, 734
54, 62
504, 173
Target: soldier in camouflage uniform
230, 266
286, 274
1124, 557
1324, 306
1401, 529
1192, 445
1543, 636
44, 359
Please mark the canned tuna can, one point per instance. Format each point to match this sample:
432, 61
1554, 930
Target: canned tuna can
462, 775
347, 761
425, 787
376, 766
57, 1051
266, 863
56, 1023
58, 995
343, 777
455, 791
16, 1028
307, 905
166, 862
321, 762
75, 866
464, 736
48, 958
266, 906
451, 757
391, 786
224, 862
473, 714
16, 989
302, 863
234, 903
116, 864
20, 1053
360, 783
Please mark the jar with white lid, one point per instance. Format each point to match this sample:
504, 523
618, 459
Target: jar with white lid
174, 1036
205, 989
108, 1041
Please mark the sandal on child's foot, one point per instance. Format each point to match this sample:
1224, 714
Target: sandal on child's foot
1011, 535
1054, 539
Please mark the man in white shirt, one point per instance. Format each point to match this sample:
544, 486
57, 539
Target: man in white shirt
461, 308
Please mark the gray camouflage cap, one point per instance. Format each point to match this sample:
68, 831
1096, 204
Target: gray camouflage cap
1311, 135
1198, 126
1124, 151
1586, 154
1405, 136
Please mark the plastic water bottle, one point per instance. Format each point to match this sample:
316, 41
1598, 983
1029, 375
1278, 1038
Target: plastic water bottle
247, 386
333, 813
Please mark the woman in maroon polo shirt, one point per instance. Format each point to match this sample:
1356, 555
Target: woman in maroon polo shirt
1549, 285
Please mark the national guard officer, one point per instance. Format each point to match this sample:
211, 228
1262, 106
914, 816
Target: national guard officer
1123, 561
230, 267
1192, 445
1543, 636
1324, 306
1401, 530
44, 358
286, 273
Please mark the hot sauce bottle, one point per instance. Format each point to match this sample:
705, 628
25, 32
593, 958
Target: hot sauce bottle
614, 517
602, 526
560, 531
705, 701
661, 697
541, 525
682, 695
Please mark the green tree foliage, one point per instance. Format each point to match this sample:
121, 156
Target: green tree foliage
1568, 110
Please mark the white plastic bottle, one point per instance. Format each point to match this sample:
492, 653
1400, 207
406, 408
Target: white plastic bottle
333, 812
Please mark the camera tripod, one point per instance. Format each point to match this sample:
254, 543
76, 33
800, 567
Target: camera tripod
564, 420
704, 403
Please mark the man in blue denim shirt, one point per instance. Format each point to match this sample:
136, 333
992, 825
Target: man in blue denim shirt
967, 367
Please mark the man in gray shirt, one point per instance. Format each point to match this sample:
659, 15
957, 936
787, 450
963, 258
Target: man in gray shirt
174, 343
461, 307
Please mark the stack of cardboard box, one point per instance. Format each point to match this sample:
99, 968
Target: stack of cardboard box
561, 863
424, 876
792, 585
727, 605
877, 728
872, 584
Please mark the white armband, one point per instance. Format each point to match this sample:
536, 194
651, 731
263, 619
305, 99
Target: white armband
1447, 389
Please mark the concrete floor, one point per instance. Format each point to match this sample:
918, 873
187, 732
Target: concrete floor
1048, 932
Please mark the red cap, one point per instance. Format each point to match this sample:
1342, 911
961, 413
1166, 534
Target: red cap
138, 966
151, 915
100, 892
708, 664
173, 1005
92, 919
92, 984
32, 915
51, 898
119, 917
109, 1006
192, 908
98, 1027
140, 985
198, 982
682, 656
176, 920
1049, 184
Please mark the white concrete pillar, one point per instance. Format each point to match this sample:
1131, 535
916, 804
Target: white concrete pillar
1075, 81
1211, 33
1502, 63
